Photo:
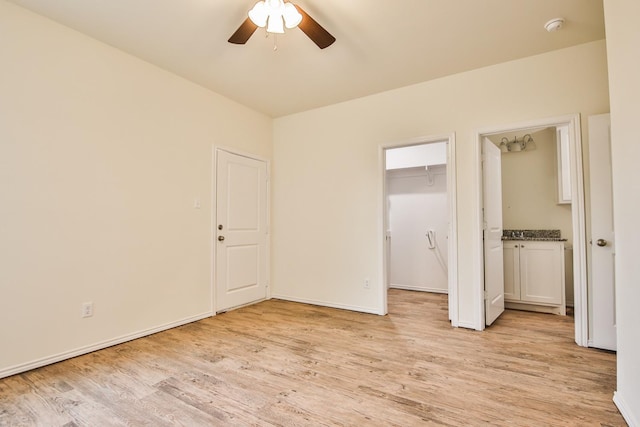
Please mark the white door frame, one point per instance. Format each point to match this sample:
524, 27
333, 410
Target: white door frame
214, 219
577, 216
452, 251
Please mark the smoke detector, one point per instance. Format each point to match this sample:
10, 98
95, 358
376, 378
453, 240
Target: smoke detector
554, 25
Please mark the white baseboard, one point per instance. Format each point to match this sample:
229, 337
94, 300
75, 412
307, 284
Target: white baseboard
535, 307
625, 410
418, 288
23, 367
360, 309
466, 325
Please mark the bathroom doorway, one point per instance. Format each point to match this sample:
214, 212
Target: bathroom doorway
536, 188
568, 217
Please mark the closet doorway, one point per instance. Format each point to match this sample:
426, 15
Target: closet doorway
419, 216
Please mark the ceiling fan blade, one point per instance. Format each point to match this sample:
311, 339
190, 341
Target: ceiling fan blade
314, 31
242, 34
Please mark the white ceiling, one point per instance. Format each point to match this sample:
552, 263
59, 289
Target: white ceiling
380, 45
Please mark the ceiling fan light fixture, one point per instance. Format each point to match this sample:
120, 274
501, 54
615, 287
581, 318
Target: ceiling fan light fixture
291, 16
276, 25
259, 14
275, 14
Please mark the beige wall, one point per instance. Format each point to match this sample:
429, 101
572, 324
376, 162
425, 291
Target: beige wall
101, 158
326, 187
623, 39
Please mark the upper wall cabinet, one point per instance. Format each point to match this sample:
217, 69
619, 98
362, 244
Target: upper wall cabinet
564, 165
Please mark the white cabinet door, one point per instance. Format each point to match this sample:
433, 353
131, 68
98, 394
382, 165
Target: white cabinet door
542, 272
511, 253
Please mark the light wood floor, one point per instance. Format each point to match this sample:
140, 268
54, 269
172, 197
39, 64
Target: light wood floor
283, 363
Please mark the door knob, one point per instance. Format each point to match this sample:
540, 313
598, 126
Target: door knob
601, 242
221, 238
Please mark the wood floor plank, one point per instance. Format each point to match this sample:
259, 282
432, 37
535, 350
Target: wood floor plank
280, 363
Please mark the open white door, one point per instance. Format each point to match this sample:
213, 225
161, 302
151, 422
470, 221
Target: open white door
602, 244
492, 207
241, 230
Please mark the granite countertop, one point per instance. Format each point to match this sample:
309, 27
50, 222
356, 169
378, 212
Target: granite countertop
533, 235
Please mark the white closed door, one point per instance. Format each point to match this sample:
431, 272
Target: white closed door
603, 331
241, 230
493, 252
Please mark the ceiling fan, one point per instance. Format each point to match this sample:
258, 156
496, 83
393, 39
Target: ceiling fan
275, 14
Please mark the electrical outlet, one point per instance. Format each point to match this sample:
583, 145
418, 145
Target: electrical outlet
87, 309
367, 284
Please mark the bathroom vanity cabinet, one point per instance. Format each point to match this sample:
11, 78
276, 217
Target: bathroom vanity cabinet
534, 275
